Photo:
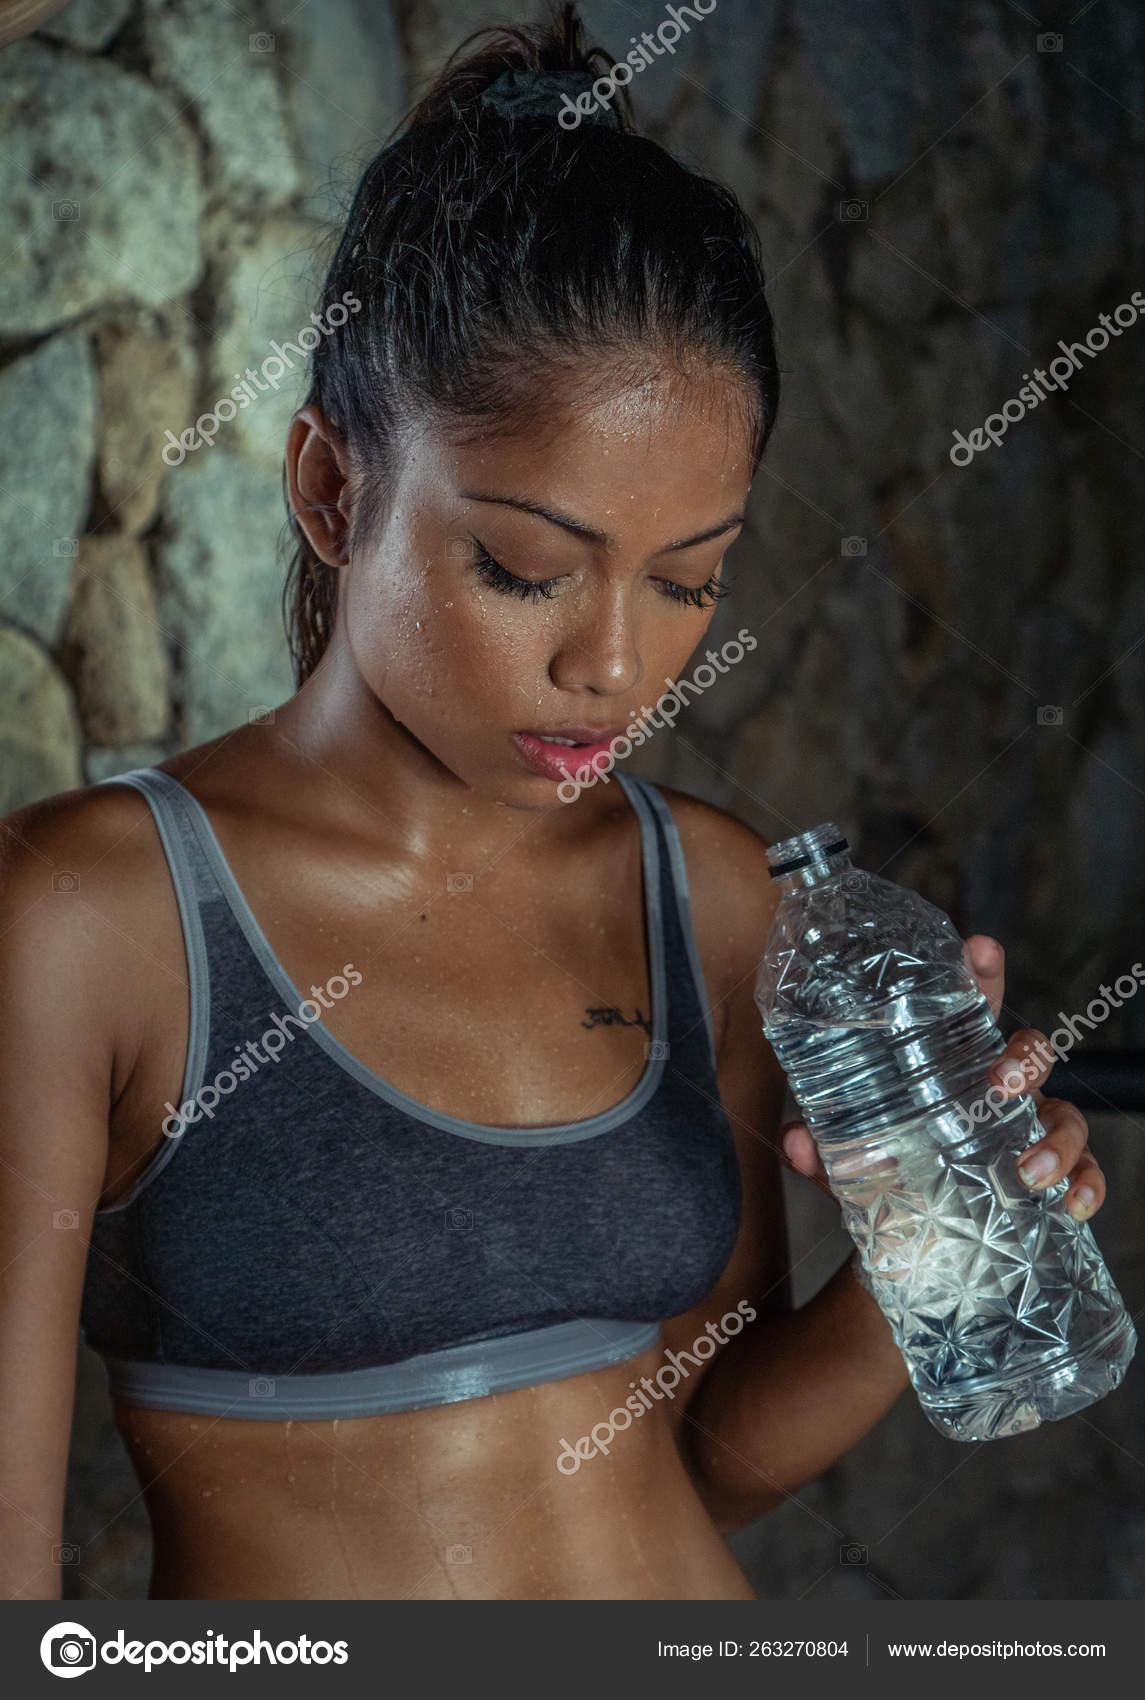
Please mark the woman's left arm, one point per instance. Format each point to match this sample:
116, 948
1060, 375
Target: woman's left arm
796, 1390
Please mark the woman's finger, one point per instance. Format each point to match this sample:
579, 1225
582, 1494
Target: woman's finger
802, 1154
799, 1148
1064, 1151
1087, 1187
1024, 1065
986, 960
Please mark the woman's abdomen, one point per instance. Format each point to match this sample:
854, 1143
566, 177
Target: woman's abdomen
475, 1500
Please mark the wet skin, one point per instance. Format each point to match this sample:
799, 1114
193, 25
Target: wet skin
376, 1507
393, 767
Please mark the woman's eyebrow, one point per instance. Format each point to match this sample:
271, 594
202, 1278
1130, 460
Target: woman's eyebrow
591, 532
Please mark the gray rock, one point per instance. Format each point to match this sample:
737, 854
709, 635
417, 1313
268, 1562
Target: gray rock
862, 56
221, 590
107, 764
1104, 70
717, 128
1067, 237
146, 384
968, 372
112, 645
1127, 679
781, 798
859, 379
87, 24
39, 729
737, 49
345, 90
99, 196
996, 876
958, 183
267, 289
941, 740
659, 88
47, 424
1103, 830
227, 69
800, 179
897, 266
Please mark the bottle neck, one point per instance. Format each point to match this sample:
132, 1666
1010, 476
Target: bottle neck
810, 858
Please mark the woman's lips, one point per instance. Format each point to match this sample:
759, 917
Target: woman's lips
561, 761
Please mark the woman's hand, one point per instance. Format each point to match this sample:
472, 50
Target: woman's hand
1014, 1070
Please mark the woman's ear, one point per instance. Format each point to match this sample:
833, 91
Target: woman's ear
317, 475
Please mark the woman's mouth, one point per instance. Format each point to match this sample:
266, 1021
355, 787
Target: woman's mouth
563, 754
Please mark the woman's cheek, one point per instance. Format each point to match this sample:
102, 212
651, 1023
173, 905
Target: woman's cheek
443, 672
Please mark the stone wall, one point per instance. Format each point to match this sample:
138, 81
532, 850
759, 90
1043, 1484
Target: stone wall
950, 659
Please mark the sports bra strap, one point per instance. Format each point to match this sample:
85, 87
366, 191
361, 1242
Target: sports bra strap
194, 881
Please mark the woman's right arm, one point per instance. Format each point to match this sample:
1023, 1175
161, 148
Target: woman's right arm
58, 991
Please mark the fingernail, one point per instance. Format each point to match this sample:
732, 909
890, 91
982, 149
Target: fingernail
1038, 1167
1082, 1201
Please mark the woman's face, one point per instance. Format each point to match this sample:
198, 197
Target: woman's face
642, 494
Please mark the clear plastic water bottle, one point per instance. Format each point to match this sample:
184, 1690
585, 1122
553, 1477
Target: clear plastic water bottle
999, 1300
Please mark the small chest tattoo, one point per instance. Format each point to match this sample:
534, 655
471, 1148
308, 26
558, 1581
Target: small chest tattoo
609, 1016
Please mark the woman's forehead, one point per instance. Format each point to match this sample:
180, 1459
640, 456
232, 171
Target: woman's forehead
714, 420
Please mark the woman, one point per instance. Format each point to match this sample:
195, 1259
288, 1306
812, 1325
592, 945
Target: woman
387, 1102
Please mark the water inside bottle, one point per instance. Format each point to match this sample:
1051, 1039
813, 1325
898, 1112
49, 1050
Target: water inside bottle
998, 1298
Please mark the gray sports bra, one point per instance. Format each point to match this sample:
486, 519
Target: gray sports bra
311, 1242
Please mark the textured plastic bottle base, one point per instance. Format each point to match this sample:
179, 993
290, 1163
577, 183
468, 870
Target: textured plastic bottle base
1059, 1388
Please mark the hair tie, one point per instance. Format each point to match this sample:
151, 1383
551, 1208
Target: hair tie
534, 94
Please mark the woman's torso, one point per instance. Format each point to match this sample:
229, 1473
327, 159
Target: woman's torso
454, 1501
451, 1500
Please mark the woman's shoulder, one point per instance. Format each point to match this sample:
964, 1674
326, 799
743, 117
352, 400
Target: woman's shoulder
89, 929
99, 842
50, 842
83, 872
91, 827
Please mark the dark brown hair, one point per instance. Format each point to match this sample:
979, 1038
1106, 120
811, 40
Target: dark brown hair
493, 256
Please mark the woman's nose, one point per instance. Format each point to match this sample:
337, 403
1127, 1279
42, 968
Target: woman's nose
599, 652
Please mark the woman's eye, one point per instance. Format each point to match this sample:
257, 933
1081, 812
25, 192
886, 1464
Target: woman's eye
696, 596
497, 576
